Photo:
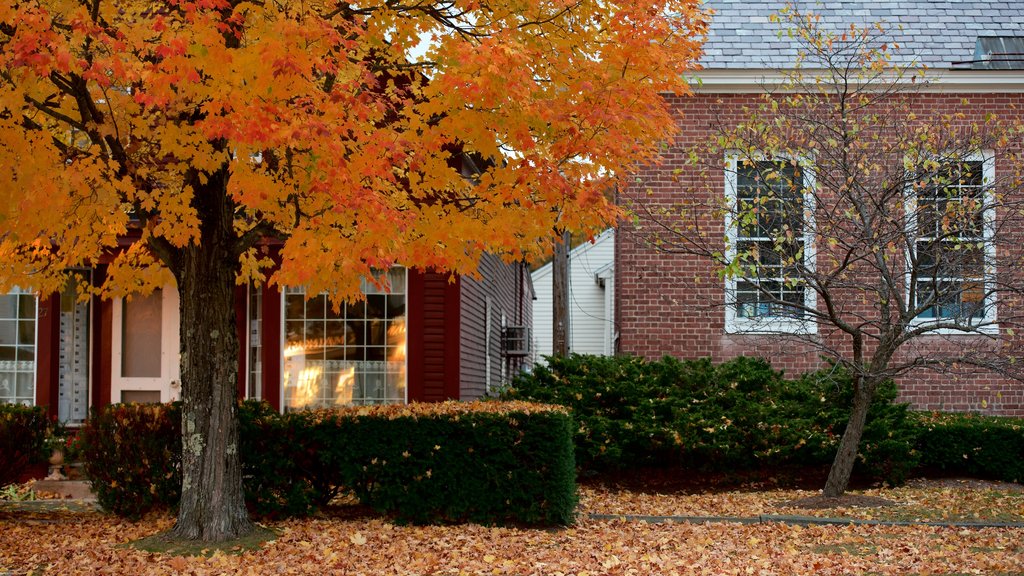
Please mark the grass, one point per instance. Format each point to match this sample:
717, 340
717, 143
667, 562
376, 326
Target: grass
161, 543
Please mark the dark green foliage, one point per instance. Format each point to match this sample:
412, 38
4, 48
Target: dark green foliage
971, 445
486, 467
887, 447
481, 462
22, 438
132, 455
283, 461
741, 414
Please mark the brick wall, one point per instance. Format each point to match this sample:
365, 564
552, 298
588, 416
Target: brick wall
670, 303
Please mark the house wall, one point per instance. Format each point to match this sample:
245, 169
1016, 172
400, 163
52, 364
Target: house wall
674, 304
590, 316
503, 291
433, 345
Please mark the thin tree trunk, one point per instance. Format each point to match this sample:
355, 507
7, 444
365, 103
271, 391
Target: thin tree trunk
212, 505
842, 467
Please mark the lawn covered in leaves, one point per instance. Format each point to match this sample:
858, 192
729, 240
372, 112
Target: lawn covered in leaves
349, 542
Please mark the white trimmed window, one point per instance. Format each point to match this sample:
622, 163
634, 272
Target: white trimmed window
769, 242
953, 222
353, 356
18, 347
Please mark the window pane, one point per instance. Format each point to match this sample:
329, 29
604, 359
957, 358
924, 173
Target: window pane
17, 347
8, 332
255, 388
951, 252
142, 328
354, 356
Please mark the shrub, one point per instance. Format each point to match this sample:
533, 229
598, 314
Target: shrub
887, 448
740, 414
23, 431
132, 455
981, 446
281, 462
485, 462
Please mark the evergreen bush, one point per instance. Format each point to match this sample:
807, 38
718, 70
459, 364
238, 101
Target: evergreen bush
972, 445
738, 415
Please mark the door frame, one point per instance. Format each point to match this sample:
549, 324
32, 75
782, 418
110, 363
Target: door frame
168, 384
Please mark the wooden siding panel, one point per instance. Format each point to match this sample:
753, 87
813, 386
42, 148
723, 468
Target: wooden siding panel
102, 331
433, 343
591, 315
508, 287
47, 352
271, 351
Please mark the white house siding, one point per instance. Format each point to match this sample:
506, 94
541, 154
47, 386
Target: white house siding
591, 305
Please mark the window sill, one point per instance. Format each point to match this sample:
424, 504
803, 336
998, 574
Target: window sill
744, 327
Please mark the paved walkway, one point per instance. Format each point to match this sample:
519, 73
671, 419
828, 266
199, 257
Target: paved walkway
798, 521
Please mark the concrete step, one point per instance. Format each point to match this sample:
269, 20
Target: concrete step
70, 489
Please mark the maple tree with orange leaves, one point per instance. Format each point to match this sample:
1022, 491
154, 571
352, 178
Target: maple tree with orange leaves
358, 135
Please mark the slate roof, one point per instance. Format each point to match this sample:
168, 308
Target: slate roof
934, 33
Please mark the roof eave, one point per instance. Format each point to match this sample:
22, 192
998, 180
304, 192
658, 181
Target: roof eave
751, 80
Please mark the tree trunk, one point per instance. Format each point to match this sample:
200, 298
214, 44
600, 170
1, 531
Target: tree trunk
842, 467
212, 501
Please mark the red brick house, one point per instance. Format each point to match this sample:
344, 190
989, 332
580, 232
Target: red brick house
676, 304
425, 338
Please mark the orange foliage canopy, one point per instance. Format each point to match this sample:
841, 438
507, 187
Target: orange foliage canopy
360, 134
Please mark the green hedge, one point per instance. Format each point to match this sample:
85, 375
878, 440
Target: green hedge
132, 455
486, 462
23, 432
972, 445
740, 414
289, 461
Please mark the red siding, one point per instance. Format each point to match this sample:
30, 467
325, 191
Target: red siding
433, 337
102, 331
272, 354
47, 353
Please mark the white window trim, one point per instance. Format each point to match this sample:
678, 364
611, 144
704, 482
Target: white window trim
35, 349
741, 325
988, 322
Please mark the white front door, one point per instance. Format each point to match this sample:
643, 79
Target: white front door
145, 362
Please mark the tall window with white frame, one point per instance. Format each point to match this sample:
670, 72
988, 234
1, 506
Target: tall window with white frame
953, 245
350, 356
768, 246
18, 347
254, 389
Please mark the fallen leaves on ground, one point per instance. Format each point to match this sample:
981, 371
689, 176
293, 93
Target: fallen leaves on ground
90, 543
917, 501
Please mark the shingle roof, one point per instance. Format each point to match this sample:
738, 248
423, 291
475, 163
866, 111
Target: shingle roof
934, 33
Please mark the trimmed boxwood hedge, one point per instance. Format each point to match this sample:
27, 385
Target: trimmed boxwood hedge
968, 444
485, 462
